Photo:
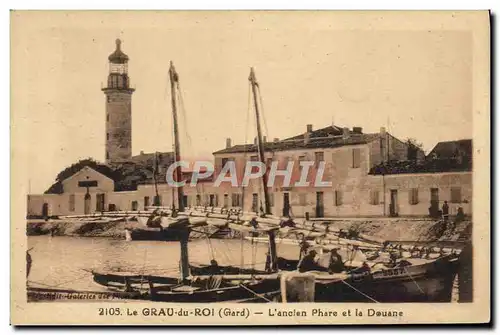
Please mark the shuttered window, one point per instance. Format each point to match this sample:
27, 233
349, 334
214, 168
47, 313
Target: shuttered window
71, 202
356, 158
413, 196
318, 157
236, 199
338, 198
456, 195
374, 197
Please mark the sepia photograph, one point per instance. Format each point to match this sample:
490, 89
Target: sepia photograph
310, 167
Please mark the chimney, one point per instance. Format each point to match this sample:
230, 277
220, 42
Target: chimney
142, 152
345, 133
309, 128
255, 140
357, 130
228, 143
276, 139
382, 131
264, 139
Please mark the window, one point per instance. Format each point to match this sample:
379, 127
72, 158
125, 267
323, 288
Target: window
338, 198
374, 197
108, 98
236, 200
146, 202
107, 136
107, 155
134, 205
157, 200
107, 117
198, 200
226, 200
301, 159
356, 158
302, 199
413, 196
318, 157
269, 162
254, 159
456, 195
71, 202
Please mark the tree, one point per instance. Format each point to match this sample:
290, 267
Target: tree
414, 147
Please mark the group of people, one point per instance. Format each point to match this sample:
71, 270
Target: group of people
308, 261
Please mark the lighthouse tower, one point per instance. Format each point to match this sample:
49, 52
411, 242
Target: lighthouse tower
118, 107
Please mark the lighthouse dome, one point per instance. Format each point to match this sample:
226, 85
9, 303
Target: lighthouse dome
118, 56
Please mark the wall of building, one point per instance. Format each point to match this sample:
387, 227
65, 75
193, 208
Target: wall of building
356, 196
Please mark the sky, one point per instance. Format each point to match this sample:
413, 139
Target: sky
312, 69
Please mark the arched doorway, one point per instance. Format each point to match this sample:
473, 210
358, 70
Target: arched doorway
86, 206
45, 209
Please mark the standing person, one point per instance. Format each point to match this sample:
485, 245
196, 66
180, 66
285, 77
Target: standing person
304, 246
446, 210
336, 264
308, 262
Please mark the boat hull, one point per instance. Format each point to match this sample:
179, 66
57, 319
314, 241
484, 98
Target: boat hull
261, 291
154, 234
431, 282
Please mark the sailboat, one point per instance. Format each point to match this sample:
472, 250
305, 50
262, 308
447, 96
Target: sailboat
210, 283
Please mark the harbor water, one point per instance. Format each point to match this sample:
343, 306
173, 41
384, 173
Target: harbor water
65, 262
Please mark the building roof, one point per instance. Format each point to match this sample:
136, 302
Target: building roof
328, 137
452, 149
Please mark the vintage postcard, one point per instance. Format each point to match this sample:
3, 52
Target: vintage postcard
250, 168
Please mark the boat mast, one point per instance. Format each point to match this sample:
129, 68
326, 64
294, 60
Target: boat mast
183, 230
156, 201
253, 81
174, 78
267, 205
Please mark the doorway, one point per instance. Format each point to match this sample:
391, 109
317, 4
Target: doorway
255, 203
86, 204
100, 202
393, 206
45, 210
212, 202
434, 209
185, 200
146, 202
320, 209
286, 204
